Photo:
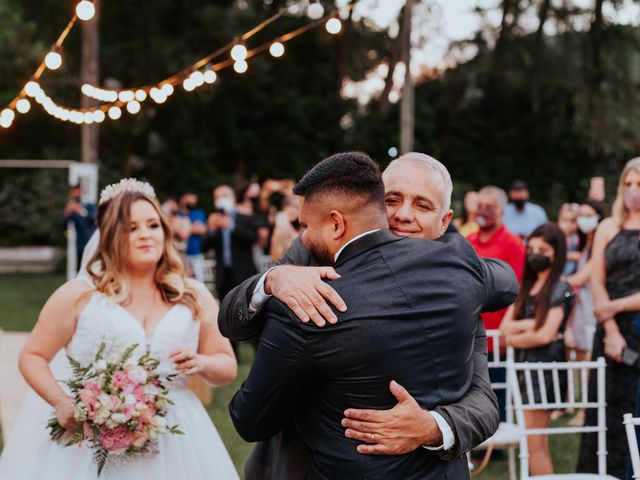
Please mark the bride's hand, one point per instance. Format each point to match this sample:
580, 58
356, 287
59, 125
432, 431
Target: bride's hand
187, 361
65, 408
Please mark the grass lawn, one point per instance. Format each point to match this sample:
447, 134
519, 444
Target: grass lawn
22, 297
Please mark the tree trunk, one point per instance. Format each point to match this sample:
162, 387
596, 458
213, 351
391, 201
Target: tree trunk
394, 58
90, 74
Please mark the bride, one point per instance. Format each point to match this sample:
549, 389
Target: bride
134, 293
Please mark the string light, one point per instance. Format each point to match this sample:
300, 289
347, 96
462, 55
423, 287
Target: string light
141, 95
210, 76
333, 26
240, 66
23, 105
114, 113
239, 52
133, 107
276, 49
53, 60
85, 10
191, 78
315, 11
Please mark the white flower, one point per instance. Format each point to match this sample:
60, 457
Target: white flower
80, 414
101, 415
161, 422
119, 418
153, 434
151, 389
129, 399
138, 375
161, 403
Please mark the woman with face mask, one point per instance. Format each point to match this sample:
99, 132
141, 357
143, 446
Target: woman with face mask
615, 285
581, 327
534, 325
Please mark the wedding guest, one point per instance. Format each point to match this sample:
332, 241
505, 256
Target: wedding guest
615, 284
468, 224
534, 326
286, 228
567, 223
520, 215
578, 336
195, 258
83, 216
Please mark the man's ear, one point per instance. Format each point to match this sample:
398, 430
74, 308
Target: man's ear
338, 224
446, 220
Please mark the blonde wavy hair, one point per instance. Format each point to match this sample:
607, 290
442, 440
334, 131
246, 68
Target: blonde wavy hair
108, 266
620, 211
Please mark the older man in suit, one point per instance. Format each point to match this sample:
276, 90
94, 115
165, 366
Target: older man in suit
476, 273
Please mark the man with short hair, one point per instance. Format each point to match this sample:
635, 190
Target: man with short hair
521, 216
399, 291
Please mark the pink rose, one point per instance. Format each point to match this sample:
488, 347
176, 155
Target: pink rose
89, 395
120, 379
116, 439
88, 431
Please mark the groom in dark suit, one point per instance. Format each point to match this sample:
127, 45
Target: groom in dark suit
406, 321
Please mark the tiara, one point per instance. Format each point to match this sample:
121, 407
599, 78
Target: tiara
126, 185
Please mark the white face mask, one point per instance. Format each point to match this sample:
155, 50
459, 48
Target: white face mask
225, 203
587, 224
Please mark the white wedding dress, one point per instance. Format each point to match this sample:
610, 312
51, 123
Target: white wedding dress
198, 454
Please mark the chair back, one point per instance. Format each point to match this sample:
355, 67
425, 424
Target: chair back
630, 422
524, 398
496, 361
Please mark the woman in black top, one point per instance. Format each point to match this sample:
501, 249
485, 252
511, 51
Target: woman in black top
534, 326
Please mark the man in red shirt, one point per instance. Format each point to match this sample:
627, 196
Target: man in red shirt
494, 240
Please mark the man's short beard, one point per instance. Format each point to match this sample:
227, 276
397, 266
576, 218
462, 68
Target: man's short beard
322, 254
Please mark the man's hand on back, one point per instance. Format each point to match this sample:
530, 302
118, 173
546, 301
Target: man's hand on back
304, 292
397, 431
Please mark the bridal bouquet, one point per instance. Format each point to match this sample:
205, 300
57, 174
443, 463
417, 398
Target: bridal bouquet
121, 406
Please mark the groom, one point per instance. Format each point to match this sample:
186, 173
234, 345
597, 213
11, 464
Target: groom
406, 321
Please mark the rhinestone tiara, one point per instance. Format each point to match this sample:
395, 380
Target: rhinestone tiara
126, 185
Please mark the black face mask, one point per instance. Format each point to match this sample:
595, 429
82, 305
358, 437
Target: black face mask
190, 206
296, 224
519, 204
538, 263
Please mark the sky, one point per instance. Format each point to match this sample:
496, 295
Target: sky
455, 20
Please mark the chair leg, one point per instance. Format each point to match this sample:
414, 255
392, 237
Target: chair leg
512, 464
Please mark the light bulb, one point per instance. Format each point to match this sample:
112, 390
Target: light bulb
276, 49
64, 114
159, 98
111, 97
210, 76
114, 113
98, 116
167, 89
41, 96
141, 95
126, 96
188, 85
85, 10
197, 78
240, 66
75, 116
315, 11
5, 122
32, 88
133, 107
53, 60
8, 114
87, 117
333, 26
239, 52
23, 105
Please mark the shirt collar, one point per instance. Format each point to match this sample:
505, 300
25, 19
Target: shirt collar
335, 258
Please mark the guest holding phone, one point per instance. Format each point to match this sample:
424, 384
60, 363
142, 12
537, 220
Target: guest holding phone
615, 284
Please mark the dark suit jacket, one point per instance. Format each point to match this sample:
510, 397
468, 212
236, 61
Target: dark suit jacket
243, 237
408, 320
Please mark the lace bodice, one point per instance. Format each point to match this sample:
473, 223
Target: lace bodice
103, 320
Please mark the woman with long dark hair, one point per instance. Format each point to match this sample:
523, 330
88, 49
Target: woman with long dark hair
535, 323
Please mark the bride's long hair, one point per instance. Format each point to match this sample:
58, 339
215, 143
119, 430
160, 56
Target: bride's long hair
108, 265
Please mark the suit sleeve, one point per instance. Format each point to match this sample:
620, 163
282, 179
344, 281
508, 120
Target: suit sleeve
501, 284
277, 382
245, 231
475, 417
234, 320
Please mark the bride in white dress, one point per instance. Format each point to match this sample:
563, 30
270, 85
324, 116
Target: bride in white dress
139, 297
